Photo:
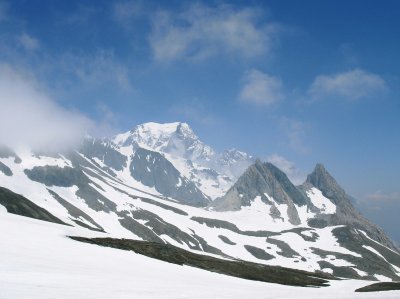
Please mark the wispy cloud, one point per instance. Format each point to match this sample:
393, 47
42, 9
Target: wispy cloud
194, 111
382, 196
3, 11
261, 89
29, 117
28, 42
96, 69
202, 31
348, 53
82, 14
295, 131
352, 85
125, 11
289, 168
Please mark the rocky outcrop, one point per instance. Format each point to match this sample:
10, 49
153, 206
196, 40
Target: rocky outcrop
19, 205
153, 170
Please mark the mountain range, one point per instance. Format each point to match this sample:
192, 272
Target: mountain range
161, 183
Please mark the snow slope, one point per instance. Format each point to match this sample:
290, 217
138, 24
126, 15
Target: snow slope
241, 234
119, 187
37, 260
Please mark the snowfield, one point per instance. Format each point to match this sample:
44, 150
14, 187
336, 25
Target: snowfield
37, 260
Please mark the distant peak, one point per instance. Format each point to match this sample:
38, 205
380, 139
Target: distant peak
182, 125
158, 127
319, 173
320, 167
258, 162
184, 129
235, 154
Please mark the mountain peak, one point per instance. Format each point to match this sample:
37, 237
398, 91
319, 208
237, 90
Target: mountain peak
324, 181
260, 179
160, 128
176, 138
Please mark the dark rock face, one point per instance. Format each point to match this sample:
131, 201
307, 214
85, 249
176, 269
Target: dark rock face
104, 151
5, 169
19, 205
55, 176
68, 177
154, 170
380, 286
345, 214
285, 249
226, 240
259, 253
258, 180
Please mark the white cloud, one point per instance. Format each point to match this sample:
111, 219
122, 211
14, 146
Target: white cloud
203, 31
352, 85
289, 168
29, 117
295, 132
261, 89
28, 42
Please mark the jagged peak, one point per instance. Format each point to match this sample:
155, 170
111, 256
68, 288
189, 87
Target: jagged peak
150, 133
320, 168
266, 177
324, 181
319, 173
161, 128
258, 162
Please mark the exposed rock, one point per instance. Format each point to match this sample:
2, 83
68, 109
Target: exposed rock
154, 170
259, 253
19, 205
260, 179
5, 169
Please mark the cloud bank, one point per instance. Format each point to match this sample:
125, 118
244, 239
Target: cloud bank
28, 117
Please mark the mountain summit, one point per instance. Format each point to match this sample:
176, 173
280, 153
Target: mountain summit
321, 179
177, 139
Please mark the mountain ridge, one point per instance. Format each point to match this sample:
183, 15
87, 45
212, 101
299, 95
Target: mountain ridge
135, 192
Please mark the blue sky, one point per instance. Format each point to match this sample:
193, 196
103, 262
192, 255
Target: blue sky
295, 82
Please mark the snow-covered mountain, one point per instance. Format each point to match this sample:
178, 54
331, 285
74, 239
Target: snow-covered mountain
160, 183
176, 139
212, 172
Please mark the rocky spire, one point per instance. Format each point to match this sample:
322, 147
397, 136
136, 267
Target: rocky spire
322, 180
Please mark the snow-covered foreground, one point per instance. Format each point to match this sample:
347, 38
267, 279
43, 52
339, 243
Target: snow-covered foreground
37, 260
